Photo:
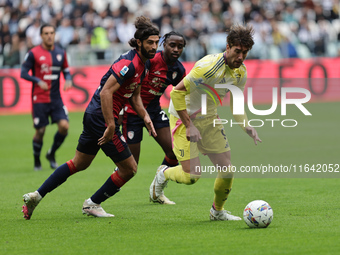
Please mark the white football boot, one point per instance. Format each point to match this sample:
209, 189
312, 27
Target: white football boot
94, 209
157, 186
222, 215
31, 201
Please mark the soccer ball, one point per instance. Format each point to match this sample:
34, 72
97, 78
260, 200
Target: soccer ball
258, 214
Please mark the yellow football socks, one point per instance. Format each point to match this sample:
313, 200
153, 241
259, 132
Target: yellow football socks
222, 188
177, 174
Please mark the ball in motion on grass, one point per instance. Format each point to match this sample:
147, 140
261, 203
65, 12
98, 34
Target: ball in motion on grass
258, 214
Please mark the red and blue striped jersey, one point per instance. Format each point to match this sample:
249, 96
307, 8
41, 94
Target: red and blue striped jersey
46, 65
129, 70
159, 77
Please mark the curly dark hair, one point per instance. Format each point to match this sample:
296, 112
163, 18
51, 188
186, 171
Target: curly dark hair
166, 36
145, 28
241, 35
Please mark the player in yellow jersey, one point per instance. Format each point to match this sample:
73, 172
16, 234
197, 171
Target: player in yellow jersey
193, 128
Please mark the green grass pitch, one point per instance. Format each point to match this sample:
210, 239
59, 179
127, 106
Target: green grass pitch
305, 209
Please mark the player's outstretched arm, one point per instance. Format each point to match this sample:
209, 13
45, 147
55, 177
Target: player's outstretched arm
137, 104
253, 134
110, 87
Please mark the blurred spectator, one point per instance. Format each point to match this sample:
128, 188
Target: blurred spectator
5, 36
125, 29
176, 16
283, 42
112, 31
287, 48
82, 6
256, 6
47, 12
34, 9
65, 33
68, 8
166, 6
12, 52
165, 26
100, 41
262, 37
288, 14
305, 34
279, 24
13, 22
319, 13
5, 14
123, 9
164, 19
80, 32
194, 48
247, 15
33, 34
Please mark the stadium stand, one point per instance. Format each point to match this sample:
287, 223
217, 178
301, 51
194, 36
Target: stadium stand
284, 28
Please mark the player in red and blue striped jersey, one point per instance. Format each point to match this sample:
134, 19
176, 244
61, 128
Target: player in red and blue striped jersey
100, 130
47, 61
164, 70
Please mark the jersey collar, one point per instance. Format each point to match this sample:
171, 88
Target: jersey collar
47, 49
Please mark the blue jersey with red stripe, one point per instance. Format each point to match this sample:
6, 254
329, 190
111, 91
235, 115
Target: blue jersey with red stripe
129, 70
46, 65
160, 76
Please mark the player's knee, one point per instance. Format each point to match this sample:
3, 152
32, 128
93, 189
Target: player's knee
39, 133
132, 171
64, 130
63, 127
81, 163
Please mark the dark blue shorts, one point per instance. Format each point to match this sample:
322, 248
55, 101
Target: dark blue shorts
93, 129
42, 111
133, 125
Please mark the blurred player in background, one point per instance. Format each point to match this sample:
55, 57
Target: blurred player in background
194, 132
47, 61
100, 129
164, 70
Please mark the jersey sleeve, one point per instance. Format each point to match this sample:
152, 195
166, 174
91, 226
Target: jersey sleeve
195, 76
123, 70
26, 66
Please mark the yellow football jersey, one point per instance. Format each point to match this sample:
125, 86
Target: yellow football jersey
206, 73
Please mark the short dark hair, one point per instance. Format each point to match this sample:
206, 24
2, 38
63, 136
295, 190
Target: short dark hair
45, 25
241, 35
167, 36
145, 28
